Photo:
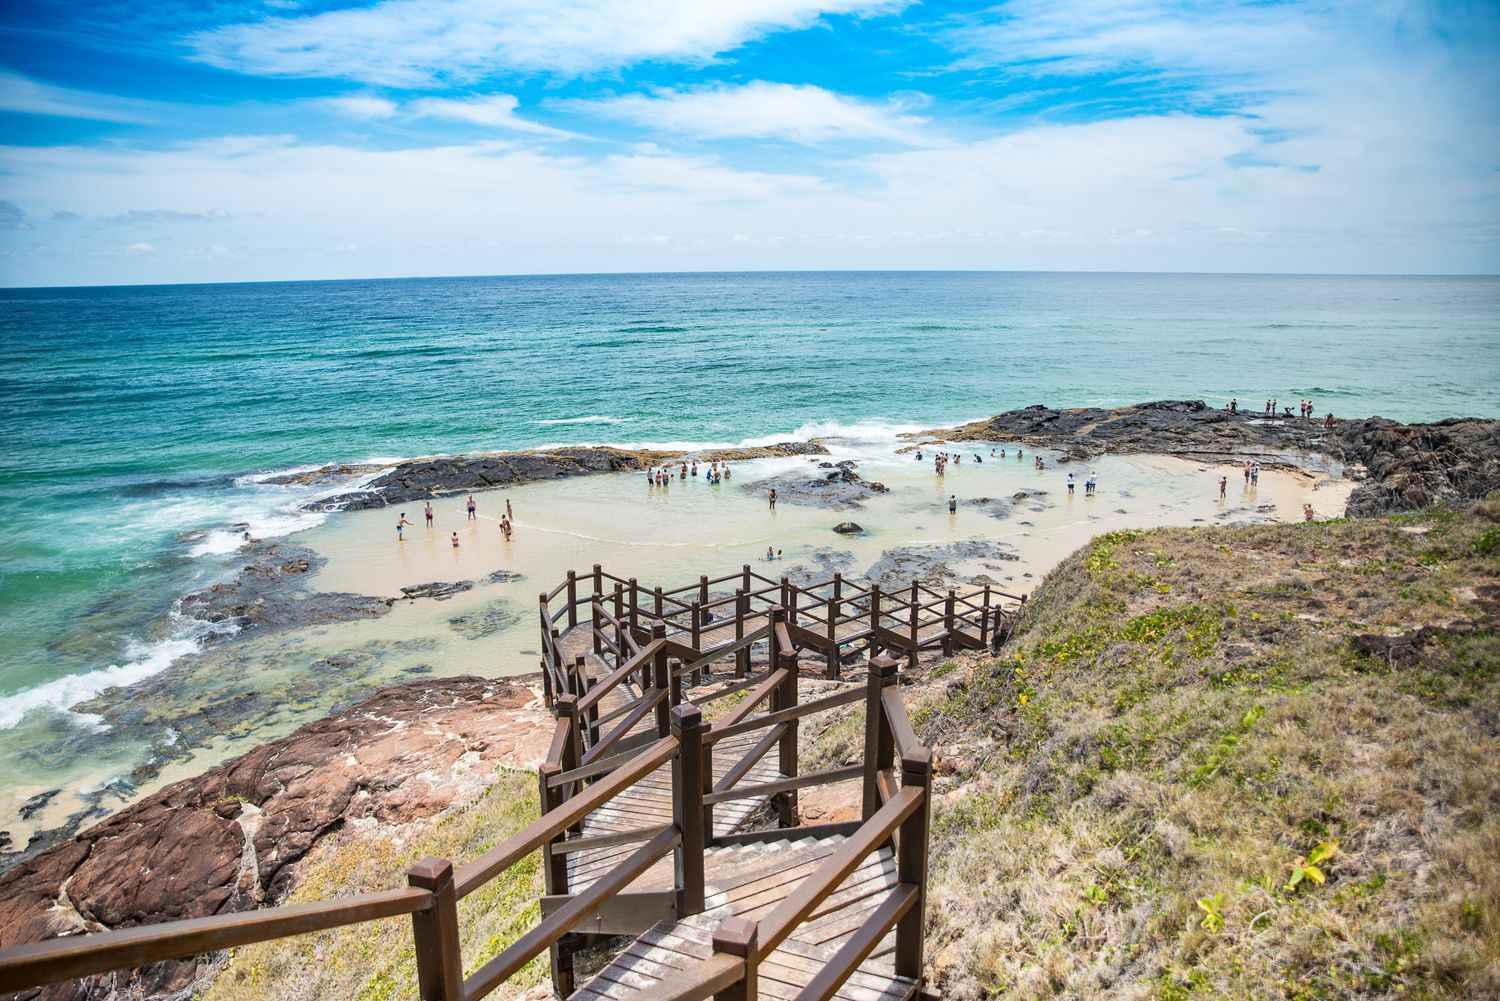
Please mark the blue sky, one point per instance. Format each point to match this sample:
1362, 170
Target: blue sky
220, 141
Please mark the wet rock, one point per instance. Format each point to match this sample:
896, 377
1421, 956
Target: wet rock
992, 506
38, 803
438, 590
820, 567
423, 479
848, 528
930, 565
268, 594
493, 618
840, 488
505, 577
227, 840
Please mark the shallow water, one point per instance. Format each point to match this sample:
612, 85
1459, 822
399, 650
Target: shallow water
212, 705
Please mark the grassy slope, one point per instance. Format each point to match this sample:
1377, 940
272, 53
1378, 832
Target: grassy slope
375, 961
1179, 723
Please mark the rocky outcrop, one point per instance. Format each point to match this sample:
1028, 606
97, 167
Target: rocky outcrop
421, 479
1409, 466
267, 594
228, 840
1402, 466
848, 528
931, 565
838, 488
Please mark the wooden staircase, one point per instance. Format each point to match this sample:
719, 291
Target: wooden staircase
672, 853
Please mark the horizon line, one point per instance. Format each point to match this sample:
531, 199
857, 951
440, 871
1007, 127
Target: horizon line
763, 271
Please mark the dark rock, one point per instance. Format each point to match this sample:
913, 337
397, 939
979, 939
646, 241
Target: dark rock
842, 488
438, 590
267, 594
38, 803
505, 577
899, 566
847, 528
488, 621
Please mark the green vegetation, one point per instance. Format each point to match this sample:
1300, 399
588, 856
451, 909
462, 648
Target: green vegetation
375, 961
1201, 770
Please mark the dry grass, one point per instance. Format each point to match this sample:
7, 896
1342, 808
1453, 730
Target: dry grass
1182, 720
375, 961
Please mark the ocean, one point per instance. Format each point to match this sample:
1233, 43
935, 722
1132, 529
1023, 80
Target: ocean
139, 424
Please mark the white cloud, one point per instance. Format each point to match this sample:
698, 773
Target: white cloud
413, 43
34, 97
761, 110
363, 106
494, 110
140, 248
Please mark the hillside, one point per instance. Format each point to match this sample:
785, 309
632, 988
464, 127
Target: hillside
1253, 762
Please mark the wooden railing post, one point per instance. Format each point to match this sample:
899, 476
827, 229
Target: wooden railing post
656, 608
561, 665
742, 655
874, 621
915, 614
703, 589
567, 708
833, 625
879, 744
774, 614
739, 936
440, 971
590, 719
598, 625
554, 867
786, 803
572, 598
984, 618
547, 693
635, 604
786, 591
791, 605
687, 807
949, 624
745, 573
911, 861
673, 667
695, 632
622, 657
661, 680
648, 668
598, 580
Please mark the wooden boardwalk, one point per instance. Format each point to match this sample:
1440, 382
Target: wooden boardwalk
671, 842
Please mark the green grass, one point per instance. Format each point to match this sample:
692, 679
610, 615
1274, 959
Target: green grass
1179, 728
375, 961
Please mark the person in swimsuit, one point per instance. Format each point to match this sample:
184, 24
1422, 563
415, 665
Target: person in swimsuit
952, 503
1223, 486
472, 509
1070, 484
773, 498
428, 514
1093, 481
508, 512
770, 553
401, 523
1307, 512
455, 540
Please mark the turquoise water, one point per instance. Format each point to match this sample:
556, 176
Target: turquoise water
134, 415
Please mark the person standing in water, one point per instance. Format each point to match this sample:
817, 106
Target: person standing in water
401, 523
773, 498
473, 508
1070, 484
1307, 512
509, 514
953, 504
1093, 481
1223, 486
455, 540
427, 513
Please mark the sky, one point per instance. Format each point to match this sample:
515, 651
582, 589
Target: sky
147, 141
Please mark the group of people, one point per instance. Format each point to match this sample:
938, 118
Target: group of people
471, 506
1273, 405
1089, 484
718, 472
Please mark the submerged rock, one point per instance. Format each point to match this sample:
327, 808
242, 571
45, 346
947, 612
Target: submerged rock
438, 590
930, 565
848, 528
493, 618
841, 488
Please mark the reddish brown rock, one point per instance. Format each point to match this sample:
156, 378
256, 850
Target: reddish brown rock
227, 840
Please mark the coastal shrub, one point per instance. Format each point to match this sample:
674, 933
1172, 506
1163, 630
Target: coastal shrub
1179, 778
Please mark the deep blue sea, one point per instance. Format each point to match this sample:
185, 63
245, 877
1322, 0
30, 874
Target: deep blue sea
132, 416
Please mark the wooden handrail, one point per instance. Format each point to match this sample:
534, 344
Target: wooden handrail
742, 767
831, 976
607, 683
703, 979
638, 713
762, 692
826, 777
895, 714
588, 843
71, 956
560, 922
472, 875
750, 724
776, 926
